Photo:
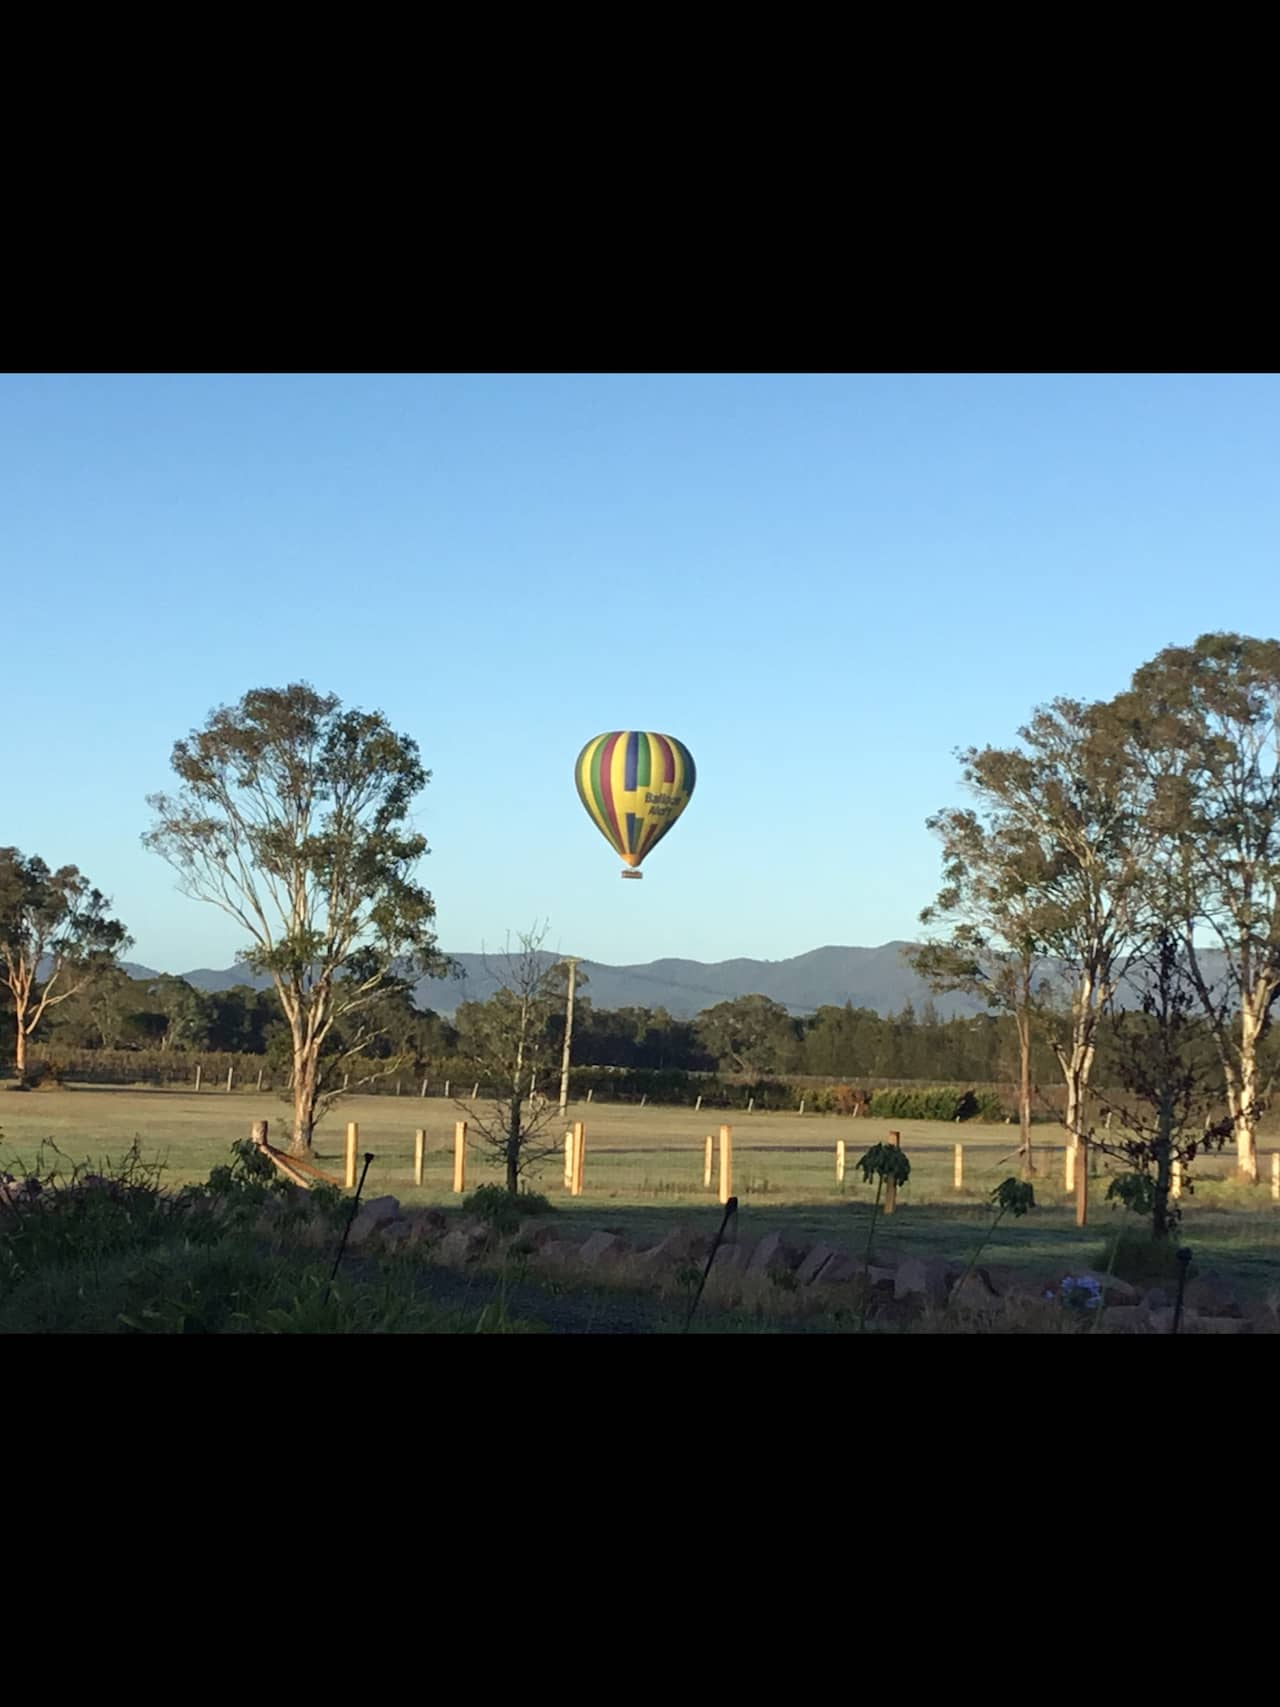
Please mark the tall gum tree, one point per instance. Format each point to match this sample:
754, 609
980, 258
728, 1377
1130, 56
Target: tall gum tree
55, 939
1205, 720
293, 818
988, 944
1072, 813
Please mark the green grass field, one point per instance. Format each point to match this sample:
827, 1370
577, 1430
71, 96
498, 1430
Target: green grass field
644, 1170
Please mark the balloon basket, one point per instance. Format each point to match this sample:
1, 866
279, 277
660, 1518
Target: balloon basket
627, 872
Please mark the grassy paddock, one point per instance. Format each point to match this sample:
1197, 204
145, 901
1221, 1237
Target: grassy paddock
644, 1170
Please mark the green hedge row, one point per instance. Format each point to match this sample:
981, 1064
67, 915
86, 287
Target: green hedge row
674, 1087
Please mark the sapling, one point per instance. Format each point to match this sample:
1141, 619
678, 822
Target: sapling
1010, 1197
883, 1162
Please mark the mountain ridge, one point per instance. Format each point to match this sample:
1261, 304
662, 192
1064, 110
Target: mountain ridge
831, 974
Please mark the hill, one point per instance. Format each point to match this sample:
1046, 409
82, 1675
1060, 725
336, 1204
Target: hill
868, 977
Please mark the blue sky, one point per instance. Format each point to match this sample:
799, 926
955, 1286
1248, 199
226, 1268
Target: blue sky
822, 584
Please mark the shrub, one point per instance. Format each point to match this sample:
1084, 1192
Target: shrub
943, 1102
504, 1210
1132, 1254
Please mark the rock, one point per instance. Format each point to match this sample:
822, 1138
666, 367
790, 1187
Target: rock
975, 1290
771, 1254
558, 1251
424, 1229
728, 1259
672, 1251
396, 1234
927, 1280
814, 1264
1156, 1299
1207, 1299
379, 1210
1124, 1319
841, 1270
602, 1248
882, 1279
463, 1244
377, 1213
1216, 1325
535, 1233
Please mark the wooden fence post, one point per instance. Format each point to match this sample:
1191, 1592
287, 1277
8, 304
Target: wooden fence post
231, 1073
419, 1145
1275, 1174
258, 1132
423, 1091
709, 1150
345, 1078
697, 1107
259, 1078
446, 1087
644, 1099
197, 1075
959, 1174
475, 1090
839, 1161
726, 1163
801, 1105
353, 1144
579, 1156
891, 1186
459, 1155
591, 1093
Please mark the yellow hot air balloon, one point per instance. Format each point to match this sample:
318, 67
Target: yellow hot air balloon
634, 785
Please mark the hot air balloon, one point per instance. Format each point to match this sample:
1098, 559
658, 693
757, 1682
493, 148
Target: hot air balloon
634, 785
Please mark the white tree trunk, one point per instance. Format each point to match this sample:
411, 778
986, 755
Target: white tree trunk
1242, 1095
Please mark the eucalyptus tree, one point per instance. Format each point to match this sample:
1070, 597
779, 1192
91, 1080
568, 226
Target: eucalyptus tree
988, 943
293, 817
1205, 721
1068, 812
56, 937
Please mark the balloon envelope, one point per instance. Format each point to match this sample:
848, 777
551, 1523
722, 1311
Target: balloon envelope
634, 785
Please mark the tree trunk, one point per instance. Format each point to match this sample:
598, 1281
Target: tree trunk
514, 1137
306, 1084
1024, 1091
20, 1048
1076, 1066
1160, 1202
1242, 1097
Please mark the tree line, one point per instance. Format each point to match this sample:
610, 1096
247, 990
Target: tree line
1103, 852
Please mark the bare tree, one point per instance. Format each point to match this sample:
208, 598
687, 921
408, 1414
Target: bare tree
511, 1040
1160, 1051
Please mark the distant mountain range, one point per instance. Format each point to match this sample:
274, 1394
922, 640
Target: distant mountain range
868, 977
877, 978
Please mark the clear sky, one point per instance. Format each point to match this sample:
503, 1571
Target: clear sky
822, 584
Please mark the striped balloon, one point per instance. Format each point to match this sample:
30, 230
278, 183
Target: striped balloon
635, 785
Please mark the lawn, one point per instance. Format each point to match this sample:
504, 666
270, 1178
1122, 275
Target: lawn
644, 1169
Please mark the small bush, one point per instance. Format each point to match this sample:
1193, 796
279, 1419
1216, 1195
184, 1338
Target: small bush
505, 1210
1133, 1255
